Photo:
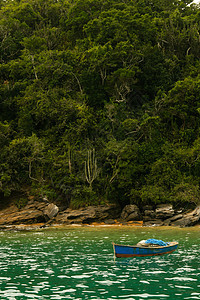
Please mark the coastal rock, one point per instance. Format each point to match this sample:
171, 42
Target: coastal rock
186, 222
149, 215
110, 222
164, 211
169, 221
130, 213
35, 205
42, 212
31, 213
88, 215
25, 216
157, 222
51, 211
8, 210
188, 219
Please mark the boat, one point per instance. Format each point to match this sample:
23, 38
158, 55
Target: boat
141, 250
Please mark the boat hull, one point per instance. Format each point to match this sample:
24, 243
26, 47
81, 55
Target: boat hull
138, 251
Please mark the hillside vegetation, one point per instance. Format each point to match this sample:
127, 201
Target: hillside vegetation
100, 101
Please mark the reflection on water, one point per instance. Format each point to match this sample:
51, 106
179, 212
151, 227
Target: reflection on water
77, 263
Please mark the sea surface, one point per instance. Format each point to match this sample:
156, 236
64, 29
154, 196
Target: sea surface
78, 263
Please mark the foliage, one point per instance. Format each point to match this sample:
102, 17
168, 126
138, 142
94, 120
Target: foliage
118, 77
83, 196
21, 202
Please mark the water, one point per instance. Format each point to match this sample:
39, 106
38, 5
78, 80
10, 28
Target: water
77, 263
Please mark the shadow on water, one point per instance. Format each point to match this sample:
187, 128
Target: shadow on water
133, 261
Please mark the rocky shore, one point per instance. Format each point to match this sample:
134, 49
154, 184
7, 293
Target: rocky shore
38, 214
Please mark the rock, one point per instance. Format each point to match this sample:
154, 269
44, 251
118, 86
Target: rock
51, 211
156, 222
31, 213
196, 211
130, 212
8, 210
25, 216
168, 221
176, 217
88, 215
186, 222
110, 222
147, 218
135, 216
48, 214
45, 199
149, 214
35, 205
22, 227
179, 211
188, 219
164, 211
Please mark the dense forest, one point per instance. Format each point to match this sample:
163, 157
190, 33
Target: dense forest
100, 101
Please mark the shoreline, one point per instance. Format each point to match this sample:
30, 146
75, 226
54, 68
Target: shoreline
41, 214
43, 226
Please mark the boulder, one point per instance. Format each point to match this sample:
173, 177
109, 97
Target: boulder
88, 214
186, 222
130, 213
157, 222
133, 217
25, 216
164, 211
169, 221
35, 205
31, 213
110, 222
149, 215
188, 219
51, 211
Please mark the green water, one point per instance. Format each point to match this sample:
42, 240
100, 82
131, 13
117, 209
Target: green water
77, 263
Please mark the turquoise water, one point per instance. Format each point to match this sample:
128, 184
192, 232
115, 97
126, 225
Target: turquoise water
77, 263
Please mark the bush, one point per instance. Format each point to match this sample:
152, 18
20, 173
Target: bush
83, 196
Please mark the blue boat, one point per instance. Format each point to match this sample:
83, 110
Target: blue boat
143, 250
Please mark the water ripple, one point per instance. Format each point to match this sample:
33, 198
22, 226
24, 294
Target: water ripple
77, 263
